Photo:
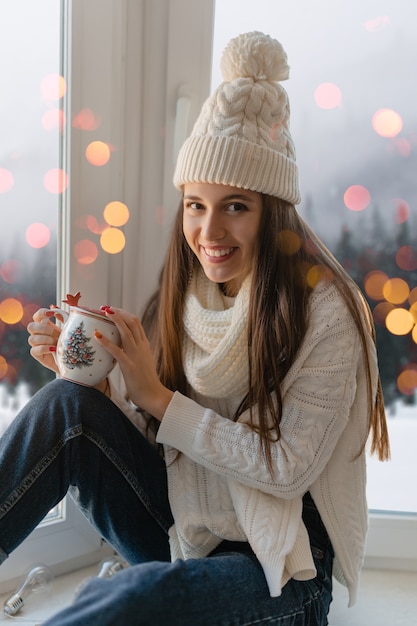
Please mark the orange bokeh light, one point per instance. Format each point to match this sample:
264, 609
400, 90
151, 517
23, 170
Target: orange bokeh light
55, 181
3, 367
396, 290
116, 213
412, 296
357, 197
97, 153
399, 321
407, 380
38, 235
53, 87
11, 311
387, 123
85, 251
317, 273
328, 96
112, 240
374, 284
288, 242
6, 180
381, 311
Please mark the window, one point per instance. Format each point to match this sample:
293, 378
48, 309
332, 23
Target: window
351, 91
30, 126
131, 87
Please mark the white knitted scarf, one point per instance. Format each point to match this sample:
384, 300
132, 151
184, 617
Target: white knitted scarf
215, 342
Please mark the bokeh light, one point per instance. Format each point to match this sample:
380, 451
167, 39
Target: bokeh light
116, 213
399, 321
85, 251
11, 311
317, 273
112, 240
28, 311
407, 380
86, 119
402, 211
6, 180
377, 23
94, 226
37, 235
413, 311
396, 290
402, 146
53, 119
97, 153
53, 87
357, 197
412, 296
328, 96
381, 311
387, 123
11, 271
288, 242
374, 284
406, 258
414, 334
3, 367
55, 181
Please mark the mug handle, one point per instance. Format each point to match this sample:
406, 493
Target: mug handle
64, 314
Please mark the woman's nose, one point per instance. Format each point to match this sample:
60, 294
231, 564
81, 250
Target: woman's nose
212, 228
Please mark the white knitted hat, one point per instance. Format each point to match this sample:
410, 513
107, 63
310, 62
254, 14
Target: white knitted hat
241, 137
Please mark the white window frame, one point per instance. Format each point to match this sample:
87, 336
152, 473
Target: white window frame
144, 65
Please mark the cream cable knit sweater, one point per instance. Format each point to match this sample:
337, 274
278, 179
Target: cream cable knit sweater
220, 487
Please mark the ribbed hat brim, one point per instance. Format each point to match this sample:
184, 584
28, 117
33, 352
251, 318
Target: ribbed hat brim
227, 160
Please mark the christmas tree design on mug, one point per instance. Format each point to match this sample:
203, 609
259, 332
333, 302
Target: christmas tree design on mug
77, 352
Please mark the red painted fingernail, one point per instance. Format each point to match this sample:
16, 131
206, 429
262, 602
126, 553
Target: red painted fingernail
98, 334
110, 311
104, 307
49, 313
52, 348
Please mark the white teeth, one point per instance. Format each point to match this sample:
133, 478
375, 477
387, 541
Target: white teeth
218, 253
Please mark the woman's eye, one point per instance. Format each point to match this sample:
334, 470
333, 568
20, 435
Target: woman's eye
236, 206
194, 206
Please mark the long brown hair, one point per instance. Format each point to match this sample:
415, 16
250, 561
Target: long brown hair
287, 250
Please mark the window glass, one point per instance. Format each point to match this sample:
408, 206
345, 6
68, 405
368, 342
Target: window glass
31, 121
352, 91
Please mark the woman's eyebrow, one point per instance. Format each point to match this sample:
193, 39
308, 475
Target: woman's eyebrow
233, 196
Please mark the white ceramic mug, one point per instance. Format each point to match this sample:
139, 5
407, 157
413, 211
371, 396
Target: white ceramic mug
80, 358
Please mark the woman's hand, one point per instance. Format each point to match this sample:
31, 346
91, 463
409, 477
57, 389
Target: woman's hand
43, 337
136, 363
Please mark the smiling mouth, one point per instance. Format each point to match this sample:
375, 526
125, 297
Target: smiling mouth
218, 252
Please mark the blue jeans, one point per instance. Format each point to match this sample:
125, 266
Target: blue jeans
72, 438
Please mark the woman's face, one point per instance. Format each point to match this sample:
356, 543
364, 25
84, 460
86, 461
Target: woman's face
221, 225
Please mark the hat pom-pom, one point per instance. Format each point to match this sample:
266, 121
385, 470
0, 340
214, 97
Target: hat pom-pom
254, 55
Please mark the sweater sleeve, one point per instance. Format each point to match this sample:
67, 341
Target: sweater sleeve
318, 393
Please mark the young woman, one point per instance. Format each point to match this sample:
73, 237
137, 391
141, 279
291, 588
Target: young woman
233, 479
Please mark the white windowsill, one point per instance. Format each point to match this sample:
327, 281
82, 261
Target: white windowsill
385, 598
